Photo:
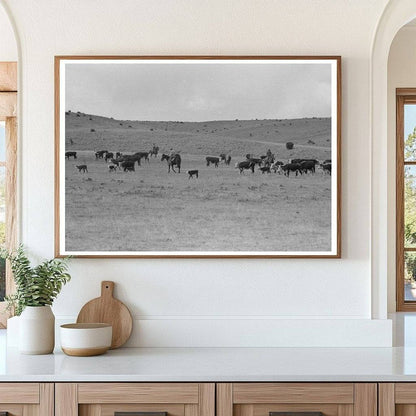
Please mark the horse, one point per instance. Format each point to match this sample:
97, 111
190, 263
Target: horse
172, 161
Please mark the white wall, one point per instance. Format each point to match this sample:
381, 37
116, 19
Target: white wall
401, 74
179, 302
8, 47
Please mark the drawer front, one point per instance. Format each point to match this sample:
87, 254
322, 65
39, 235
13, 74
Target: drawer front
397, 399
26, 399
296, 399
144, 399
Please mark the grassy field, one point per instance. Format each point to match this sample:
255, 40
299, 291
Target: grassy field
151, 210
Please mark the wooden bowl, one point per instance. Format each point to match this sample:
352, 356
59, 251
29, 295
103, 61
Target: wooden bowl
85, 340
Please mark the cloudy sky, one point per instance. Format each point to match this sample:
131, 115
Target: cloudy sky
199, 92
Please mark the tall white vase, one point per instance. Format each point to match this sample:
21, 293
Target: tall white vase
37, 330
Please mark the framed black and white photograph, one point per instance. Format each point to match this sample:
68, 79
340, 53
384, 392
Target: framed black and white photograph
198, 156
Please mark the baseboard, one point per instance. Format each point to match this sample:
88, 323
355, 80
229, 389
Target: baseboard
148, 332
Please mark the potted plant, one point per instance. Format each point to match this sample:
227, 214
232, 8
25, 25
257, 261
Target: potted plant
36, 289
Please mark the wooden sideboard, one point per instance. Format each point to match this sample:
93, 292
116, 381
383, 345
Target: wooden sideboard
208, 399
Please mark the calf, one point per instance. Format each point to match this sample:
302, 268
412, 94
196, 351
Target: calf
82, 168
192, 173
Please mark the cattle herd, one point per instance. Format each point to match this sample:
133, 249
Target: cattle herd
265, 164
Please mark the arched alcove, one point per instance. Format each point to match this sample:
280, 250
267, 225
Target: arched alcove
396, 14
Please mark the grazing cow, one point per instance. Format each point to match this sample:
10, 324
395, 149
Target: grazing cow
109, 155
174, 160
264, 169
70, 154
82, 168
212, 160
140, 155
246, 164
192, 173
307, 166
327, 168
128, 166
112, 168
291, 167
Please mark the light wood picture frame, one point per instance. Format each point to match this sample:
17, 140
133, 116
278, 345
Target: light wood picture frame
259, 146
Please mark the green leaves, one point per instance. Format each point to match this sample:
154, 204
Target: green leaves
35, 286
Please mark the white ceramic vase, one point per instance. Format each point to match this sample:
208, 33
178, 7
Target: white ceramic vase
37, 330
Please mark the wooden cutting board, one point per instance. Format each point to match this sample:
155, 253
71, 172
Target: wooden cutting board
107, 309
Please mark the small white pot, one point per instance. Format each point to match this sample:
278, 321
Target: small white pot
37, 330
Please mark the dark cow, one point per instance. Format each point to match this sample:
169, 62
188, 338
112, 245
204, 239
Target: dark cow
192, 173
212, 160
70, 154
304, 160
128, 166
228, 160
325, 162
82, 168
109, 155
291, 167
130, 158
174, 160
246, 164
307, 166
118, 154
141, 155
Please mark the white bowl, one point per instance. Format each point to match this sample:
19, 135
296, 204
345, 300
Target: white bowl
83, 340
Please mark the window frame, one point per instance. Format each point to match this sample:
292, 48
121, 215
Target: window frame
8, 113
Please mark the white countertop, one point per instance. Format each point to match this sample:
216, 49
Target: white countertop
213, 364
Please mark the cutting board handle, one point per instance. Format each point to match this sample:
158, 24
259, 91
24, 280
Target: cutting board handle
107, 289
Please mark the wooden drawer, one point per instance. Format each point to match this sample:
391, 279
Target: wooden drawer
27, 399
331, 399
397, 399
104, 399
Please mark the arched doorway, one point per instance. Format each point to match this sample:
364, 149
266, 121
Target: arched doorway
396, 14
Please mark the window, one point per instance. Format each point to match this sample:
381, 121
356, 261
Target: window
8, 171
2, 206
406, 199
